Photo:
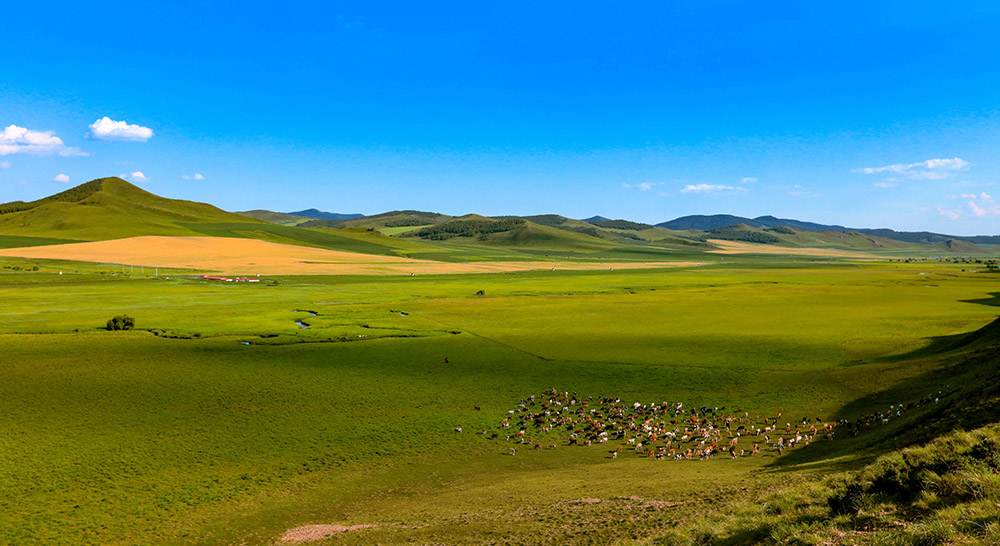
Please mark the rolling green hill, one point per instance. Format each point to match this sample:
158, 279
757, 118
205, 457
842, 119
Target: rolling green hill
391, 219
111, 208
274, 217
107, 208
509, 232
955, 246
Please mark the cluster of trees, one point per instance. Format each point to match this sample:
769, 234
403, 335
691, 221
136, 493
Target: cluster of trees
467, 228
782, 229
586, 230
623, 224
407, 222
745, 235
15, 206
121, 322
72, 195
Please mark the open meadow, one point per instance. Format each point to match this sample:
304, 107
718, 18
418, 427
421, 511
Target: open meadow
499, 274
236, 412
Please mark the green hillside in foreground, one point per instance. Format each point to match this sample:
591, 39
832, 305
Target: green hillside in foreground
107, 208
936, 480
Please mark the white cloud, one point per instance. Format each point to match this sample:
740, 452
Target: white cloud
932, 169
969, 196
985, 207
748, 180
4, 164
953, 214
644, 186
194, 176
108, 129
137, 176
886, 185
709, 188
18, 140
61, 178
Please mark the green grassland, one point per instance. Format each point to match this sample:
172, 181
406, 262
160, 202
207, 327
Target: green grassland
222, 421
237, 411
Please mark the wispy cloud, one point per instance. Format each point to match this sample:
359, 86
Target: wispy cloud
748, 180
984, 205
643, 186
108, 129
61, 178
19, 140
981, 205
195, 176
886, 184
4, 164
805, 194
932, 169
137, 176
710, 188
953, 214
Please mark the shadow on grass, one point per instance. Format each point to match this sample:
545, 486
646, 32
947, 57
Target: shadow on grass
993, 300
751, 535
987, 335
964, 381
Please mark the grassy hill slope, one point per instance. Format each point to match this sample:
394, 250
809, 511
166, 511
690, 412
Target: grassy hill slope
935, 480
111, 208
107, 208
391, 219
274, 217
508, 232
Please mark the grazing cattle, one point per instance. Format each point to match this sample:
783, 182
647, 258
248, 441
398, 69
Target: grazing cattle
688, 433
458, 429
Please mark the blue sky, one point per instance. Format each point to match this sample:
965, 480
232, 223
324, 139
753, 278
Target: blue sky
884, 115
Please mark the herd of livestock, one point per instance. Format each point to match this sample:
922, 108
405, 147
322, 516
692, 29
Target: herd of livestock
669, 430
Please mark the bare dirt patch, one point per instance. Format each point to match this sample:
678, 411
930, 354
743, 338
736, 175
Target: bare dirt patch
307, 533
735, 247
586, 500
656, 503
251, 257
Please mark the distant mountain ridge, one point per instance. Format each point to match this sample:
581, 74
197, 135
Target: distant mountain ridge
322, 215
703, 222
111, 208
